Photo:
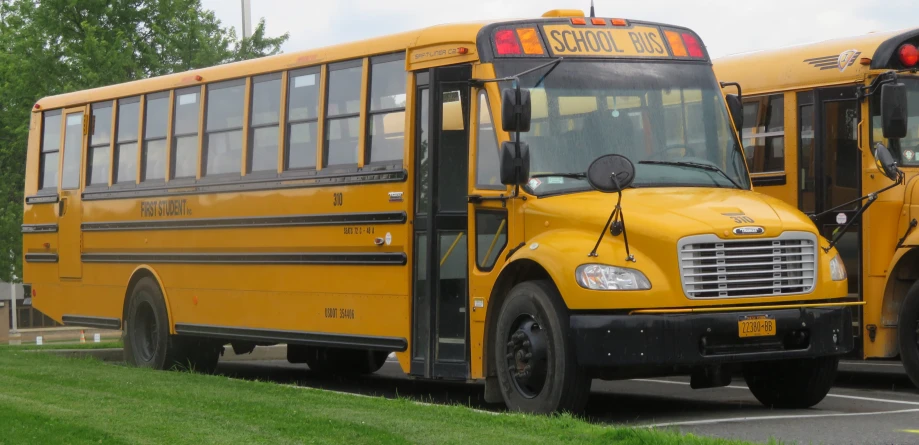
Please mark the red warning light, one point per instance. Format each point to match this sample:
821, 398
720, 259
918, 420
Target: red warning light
909, 55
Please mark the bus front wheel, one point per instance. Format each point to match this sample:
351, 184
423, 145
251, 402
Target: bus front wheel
537, 370
908, 333
147, 343
797, 383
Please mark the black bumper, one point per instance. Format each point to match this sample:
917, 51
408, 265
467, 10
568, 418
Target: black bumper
616, 341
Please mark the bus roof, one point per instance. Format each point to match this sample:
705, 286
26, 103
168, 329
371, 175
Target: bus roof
427, 38
432, 46
829, 62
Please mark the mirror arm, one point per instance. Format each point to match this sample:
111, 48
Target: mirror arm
899, 181
733, 84
617, 211
871, 197
863, 92
912, 225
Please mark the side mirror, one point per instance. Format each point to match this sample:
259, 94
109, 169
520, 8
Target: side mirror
893, 110
515, 170
611, 173
515, 112
885, 162
736, 108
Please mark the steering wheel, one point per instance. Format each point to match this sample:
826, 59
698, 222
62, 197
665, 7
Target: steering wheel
670, 153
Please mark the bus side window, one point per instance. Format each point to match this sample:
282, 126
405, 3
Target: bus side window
386, 117
342, 129
50, 149
764, 133
486, 171
153, 153
223, 133
126, 143
185, 133
302, 119
100, 140
263, 121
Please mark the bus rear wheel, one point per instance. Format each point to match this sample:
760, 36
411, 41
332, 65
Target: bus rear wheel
337, 361
798, 383
537, 370
147, 343
908, 333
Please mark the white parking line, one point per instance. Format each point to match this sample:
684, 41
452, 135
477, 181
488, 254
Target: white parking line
841, 396
761, 418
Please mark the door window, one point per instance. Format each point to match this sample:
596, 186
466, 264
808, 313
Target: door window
73, 144
841, 152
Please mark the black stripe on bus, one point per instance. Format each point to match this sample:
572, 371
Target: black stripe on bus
92, 322
39, 228
765, 181
294, 337
245, 185
42, 199
329, 219
41, 257
320, 258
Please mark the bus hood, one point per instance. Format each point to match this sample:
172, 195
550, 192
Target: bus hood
668, 213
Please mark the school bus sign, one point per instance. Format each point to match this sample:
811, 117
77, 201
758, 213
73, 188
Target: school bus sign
639, 41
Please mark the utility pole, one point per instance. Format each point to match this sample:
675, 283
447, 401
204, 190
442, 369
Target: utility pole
13, 307
247, 18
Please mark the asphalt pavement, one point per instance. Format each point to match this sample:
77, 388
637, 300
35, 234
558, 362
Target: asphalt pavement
873, 403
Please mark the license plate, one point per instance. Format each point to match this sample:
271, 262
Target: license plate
759, 326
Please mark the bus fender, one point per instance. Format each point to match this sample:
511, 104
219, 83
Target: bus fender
904, 271
138, 273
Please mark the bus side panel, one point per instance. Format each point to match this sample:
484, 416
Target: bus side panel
242, 281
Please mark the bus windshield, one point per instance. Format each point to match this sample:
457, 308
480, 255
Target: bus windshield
909, 145
669, 119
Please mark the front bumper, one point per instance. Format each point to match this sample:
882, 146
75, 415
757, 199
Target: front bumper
693, 339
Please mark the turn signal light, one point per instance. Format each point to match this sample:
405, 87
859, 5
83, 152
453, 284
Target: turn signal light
909, 55
676, 44
530, 40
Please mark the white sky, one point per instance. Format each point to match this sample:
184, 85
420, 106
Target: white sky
726, 26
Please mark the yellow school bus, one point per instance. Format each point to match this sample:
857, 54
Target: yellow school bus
812, 119
456, 195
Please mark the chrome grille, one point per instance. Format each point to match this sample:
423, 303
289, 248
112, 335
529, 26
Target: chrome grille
712, 267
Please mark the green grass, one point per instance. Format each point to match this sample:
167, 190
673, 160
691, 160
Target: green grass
49, 399
105, 344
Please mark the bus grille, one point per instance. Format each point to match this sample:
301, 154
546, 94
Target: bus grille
712, 267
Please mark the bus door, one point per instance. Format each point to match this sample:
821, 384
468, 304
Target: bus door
833, 170
69, 207
440, 289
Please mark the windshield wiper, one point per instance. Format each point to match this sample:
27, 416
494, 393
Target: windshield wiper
563, 175
698, 165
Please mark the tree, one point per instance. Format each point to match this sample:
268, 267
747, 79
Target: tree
51, 47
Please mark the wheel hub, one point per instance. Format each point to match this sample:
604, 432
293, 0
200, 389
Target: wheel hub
526, 356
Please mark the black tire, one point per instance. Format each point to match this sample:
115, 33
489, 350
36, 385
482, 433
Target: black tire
798, 383
908, 333
335, 361
147, 343
537, 369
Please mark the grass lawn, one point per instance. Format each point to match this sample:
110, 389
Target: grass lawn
49, 399
105, 344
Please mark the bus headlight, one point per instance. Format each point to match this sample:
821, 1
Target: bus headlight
603, 277
837, 269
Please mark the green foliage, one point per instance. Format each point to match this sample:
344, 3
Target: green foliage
51, 47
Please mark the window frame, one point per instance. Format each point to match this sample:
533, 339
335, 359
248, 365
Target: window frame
249, 147
144, 139
476, 128
117, 143
286, 88
174, 136
371, 113
41, 151
327, 119
763, 115
204, 137
90, 147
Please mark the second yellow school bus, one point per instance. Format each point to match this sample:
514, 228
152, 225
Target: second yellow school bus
812, 120
438, 194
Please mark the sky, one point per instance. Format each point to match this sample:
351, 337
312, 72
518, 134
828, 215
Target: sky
726, 26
